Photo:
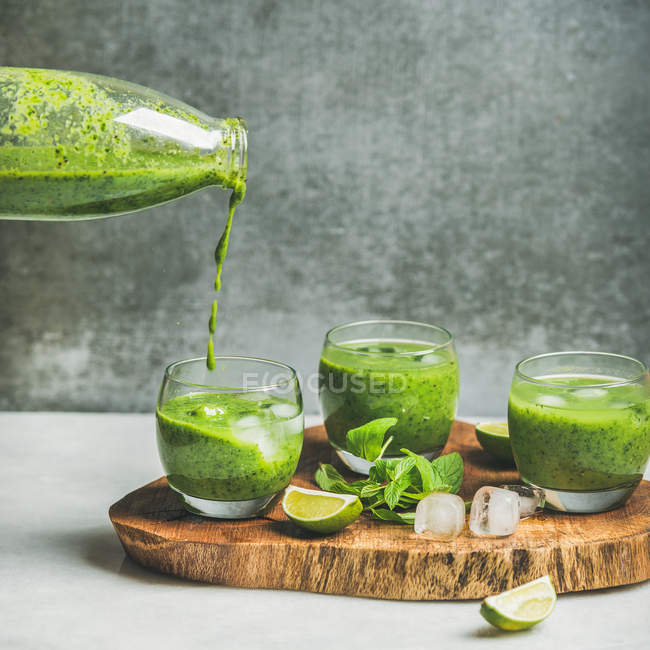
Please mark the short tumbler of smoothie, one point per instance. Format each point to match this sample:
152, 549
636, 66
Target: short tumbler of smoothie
382, 369
229, 439
580, 427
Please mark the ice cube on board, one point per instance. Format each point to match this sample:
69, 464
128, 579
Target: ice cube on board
530, 498
494, 511
440, 516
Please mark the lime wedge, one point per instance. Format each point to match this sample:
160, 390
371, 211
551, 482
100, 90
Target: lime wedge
520, 608
495, 439
321, 512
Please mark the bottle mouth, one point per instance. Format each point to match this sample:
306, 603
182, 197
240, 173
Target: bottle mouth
238, 150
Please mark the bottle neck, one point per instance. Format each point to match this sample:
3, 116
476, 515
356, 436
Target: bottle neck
234, 144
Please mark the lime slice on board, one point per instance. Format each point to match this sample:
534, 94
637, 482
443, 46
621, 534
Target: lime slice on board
495, 439
318, 511
522, 607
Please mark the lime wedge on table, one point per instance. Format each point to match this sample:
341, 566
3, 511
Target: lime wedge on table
495, 439
322, 512
520, 608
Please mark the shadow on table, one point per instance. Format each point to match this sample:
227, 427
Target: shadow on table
488, 632
100, 548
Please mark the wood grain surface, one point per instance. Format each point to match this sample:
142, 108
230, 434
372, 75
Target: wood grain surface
379, 560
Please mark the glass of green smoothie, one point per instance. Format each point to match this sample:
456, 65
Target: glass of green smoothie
580, 427
383, 369
230, 438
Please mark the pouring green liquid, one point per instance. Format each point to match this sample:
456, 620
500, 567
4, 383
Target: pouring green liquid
220, 252
80, 146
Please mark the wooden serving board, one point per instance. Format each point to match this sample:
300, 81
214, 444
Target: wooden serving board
380, 560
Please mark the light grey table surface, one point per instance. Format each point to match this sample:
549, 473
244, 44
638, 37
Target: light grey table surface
66, 583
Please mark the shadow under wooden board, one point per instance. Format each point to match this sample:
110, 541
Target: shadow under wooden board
380, 560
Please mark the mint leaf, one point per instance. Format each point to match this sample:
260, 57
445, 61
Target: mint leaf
450, 468
402, 468
330, 480
395, 517
428, 478
367, 441
400, 481
370, 490
380, 471
392, 493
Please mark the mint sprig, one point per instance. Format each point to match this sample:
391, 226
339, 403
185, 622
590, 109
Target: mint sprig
393, 483
397, 483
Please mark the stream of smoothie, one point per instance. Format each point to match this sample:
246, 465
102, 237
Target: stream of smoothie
220, 252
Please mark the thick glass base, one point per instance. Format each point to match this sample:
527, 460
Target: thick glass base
585, 502
362, 466
224, 509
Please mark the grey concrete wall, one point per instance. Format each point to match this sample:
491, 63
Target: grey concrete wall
481, 165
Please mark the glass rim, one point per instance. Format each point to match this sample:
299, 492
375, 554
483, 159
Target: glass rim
292, 379
432, 347
606, 384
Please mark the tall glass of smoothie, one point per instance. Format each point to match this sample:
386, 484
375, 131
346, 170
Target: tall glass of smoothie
580, 427
229, 439
385, 368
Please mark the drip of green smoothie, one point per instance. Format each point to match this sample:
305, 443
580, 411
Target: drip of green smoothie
237, 196
213, 317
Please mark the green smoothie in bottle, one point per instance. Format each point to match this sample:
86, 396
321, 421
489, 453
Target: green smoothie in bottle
78, 146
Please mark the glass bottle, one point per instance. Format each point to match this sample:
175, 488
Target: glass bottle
77, 146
